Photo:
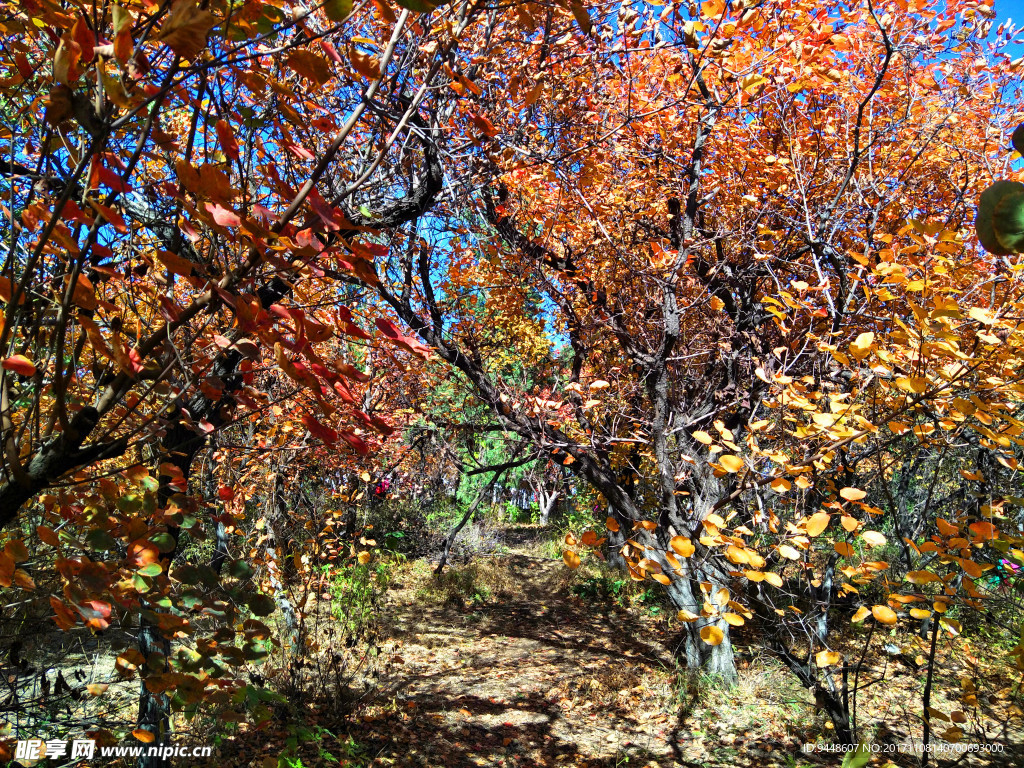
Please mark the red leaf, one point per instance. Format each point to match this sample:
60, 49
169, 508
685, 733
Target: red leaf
224, 493
398, 338
110, 216
19, 364
85, 38
320, 431
103, 175
356, 442
485, 126
223, 216
135, 359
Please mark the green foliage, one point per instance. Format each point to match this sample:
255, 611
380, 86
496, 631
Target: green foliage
313, 740
356, 595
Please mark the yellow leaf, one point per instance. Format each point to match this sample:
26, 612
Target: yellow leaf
731, 463
827, 658
687, 616
860, 347
734, 619
849, 523
144, 736
852, 494
712, 635
983, 316
884, 614
921, 577
661, 578
363, 558
703, 437
716, 304
781, 485
612, 524
817, 523
915, 384
774, 579
571, 558
920, 613
873, 538
788, 552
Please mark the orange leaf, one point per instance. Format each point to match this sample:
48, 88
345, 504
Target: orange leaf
84, 295
971, 568
731, 463
852, 494
144, 736
7, 290
571, 558
228, 142
47, 536
365, 64
817, 523
19, 364
185, 32
884, 614
712, 635
6, 569
844, 549
682, 546
827, 658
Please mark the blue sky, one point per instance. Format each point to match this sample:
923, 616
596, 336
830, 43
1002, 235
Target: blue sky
1010, 9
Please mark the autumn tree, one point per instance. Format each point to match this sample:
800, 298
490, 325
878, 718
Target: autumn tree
729, 211
195, 194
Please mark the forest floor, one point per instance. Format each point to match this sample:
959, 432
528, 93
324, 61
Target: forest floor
535, 675
515, 661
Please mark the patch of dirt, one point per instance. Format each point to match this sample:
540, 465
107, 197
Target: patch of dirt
541, 679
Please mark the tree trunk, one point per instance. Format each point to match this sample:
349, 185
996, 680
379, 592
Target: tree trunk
684, 594
548, 505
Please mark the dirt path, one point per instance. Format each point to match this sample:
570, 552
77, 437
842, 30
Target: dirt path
535, 677
514, 662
